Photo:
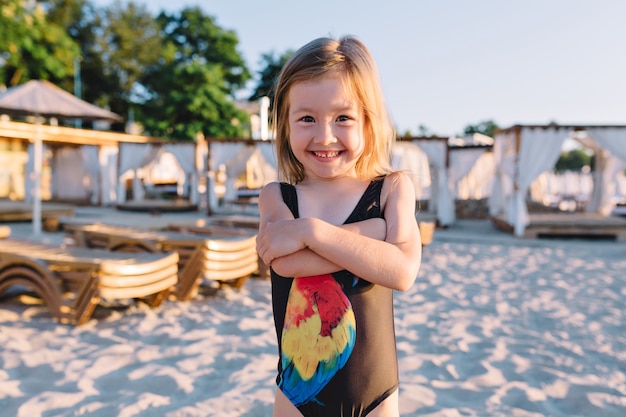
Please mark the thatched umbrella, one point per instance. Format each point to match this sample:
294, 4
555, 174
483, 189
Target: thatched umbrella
44, 99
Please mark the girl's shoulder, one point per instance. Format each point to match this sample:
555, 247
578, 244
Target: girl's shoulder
397, 184
272, 204
269, 194
269, 189
394, 180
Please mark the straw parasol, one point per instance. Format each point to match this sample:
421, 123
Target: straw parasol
43, 99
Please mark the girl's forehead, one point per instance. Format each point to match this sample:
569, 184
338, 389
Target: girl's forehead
339, 85
321, 79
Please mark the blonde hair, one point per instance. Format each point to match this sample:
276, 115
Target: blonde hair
350, 59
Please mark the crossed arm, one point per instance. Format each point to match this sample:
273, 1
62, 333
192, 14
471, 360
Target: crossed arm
385, 252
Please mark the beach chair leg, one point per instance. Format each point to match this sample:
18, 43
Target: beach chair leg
190, 276
30, 274
235, 283
86, 302
156, 299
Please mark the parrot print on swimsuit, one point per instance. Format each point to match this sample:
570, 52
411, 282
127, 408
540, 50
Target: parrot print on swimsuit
318, 336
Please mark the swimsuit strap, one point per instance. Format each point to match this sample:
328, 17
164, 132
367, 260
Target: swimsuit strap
368, 206
290, 198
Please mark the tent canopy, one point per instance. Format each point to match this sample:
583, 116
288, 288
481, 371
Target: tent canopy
42, 98
523, 152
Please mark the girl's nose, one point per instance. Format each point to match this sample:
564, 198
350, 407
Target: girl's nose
325, 134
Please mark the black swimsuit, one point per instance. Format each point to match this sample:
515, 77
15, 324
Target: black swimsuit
335, 332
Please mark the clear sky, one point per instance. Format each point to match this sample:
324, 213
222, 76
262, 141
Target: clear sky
445, 64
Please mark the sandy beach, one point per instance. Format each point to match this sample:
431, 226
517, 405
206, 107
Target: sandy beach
494, 326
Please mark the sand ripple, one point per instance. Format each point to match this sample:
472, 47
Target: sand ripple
487, 330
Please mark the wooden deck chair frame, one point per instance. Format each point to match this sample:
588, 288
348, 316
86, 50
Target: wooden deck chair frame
228, 226
72, 281
198, 257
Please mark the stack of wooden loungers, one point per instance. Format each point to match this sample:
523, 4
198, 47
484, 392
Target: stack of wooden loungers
229, 225
225, 258
72, 281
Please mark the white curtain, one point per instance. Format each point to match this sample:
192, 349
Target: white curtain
436, 150
268, 150
478, 183
92, 170
408, 157
610, 143
109, 179
607, 167
620, 183
612, 139
539, 150
219, 153
261, 172
185, 153
132, 157
69, 173
461, 161
504, 160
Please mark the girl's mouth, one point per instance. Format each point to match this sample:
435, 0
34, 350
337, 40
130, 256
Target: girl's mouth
326, 154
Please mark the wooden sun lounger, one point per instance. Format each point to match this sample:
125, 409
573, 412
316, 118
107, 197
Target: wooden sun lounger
72, 281
219, 257
20, 211
218, 227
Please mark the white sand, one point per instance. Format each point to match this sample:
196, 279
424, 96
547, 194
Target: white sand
494, 326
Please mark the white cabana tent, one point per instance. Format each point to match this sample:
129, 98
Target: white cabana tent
443, 169
224, 152
136, 157
523, 152
42, 99
409, 158
441, 203
83, 163
250, 163
470, 172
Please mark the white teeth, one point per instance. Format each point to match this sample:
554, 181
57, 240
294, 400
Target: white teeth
326, 154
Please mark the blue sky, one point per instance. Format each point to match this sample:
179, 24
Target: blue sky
445, 64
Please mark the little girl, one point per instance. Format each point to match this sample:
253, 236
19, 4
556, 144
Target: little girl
339, 234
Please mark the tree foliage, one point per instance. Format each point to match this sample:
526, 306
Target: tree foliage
127, 43
574, 160
84, 23
30, 46
486, 127
191, 88
178, 73
271, 65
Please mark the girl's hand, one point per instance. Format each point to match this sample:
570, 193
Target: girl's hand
281, 238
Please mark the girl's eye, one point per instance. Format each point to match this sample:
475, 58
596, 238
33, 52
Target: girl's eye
307, 119
343, 118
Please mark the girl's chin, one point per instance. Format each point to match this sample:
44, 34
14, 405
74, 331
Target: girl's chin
329, 174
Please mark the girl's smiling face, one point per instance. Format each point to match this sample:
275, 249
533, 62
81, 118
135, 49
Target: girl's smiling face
325, 128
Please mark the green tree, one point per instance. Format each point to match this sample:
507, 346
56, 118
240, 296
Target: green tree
84, 24
271, 65
31, 47
574, 160
423, 130
130, 45
191, 88
486, 127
